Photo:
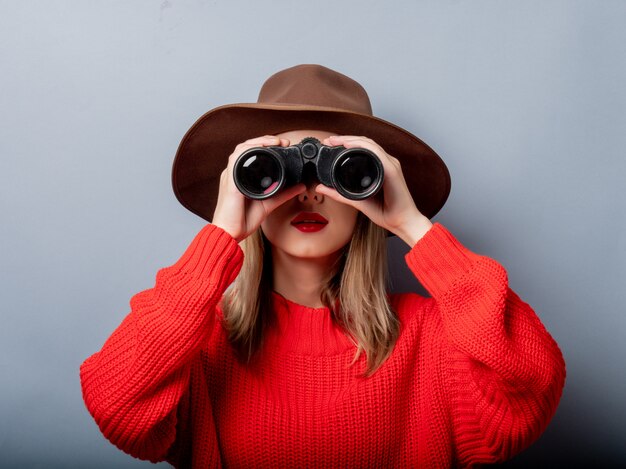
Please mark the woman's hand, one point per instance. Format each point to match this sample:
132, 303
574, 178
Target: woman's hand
234, 212
396, 212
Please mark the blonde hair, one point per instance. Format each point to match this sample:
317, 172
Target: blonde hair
358, 279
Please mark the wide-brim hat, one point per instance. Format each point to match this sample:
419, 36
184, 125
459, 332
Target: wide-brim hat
307, 96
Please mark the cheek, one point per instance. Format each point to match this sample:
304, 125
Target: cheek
346, 228
276, 229
270, 229
273, 222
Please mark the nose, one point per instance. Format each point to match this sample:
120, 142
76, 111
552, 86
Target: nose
309, 195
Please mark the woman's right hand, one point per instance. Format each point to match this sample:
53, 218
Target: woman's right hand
235, 213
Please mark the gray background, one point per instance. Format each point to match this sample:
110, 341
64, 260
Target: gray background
525, 101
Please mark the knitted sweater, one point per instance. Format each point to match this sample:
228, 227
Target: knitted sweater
473, 378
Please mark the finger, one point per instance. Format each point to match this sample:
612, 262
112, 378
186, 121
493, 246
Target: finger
339, 139
267, 140
325, 190
264, 138
343, 138
351, 141
282, 197
333, 194
335, 140
262, 141
327, 140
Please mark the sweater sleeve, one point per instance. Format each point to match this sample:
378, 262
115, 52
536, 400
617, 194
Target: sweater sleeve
133, 385
504, 372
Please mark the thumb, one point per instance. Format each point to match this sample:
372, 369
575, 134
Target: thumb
282, 197
333, 194
367, 206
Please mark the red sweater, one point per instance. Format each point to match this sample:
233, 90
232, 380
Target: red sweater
474, 377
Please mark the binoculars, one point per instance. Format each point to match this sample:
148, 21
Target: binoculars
261, 172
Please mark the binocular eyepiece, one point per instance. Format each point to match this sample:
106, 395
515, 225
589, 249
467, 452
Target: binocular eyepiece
261, 172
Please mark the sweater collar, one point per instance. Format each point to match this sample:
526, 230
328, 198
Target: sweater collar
305, 331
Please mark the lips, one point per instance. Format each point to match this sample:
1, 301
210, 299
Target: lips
309, 217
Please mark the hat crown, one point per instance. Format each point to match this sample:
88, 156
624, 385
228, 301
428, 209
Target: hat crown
315, 85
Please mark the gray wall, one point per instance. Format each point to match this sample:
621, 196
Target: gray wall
525, 101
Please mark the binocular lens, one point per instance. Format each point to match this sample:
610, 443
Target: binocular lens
357, 172
259, 173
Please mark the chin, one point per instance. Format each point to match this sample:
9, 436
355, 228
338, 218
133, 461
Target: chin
307, 249
307, 245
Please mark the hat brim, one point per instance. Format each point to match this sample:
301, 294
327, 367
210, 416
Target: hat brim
204, 150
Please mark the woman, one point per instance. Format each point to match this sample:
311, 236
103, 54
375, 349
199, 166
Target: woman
247, 352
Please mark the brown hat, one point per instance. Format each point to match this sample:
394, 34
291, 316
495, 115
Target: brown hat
310, 97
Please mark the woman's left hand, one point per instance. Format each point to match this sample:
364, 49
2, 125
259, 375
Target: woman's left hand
396, 212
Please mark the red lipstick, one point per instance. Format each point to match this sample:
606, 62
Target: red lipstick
309, 222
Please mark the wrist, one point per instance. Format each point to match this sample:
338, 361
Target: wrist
414, 230
225, 229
